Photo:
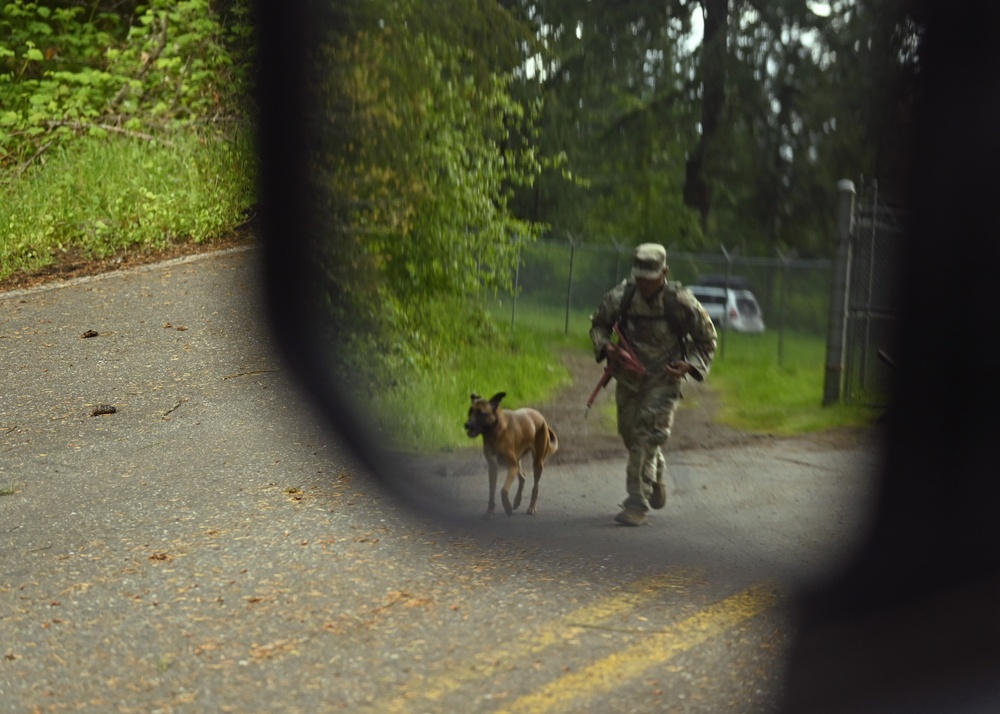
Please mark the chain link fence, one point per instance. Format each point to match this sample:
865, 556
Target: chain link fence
573, 275
851, 299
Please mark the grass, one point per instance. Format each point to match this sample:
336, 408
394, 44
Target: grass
96, 197
767, 383
444, 394
761, 395
757, 393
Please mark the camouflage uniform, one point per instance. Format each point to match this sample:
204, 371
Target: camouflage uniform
646, 405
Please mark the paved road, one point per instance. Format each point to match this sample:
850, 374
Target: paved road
211, 547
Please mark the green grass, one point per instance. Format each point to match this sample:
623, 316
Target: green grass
762, 395
444, 394
758, 394
547, 321
96, 197
768, 384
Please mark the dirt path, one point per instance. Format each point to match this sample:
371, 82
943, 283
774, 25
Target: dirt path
585, 439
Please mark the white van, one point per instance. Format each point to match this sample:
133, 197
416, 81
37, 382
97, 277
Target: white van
730, 309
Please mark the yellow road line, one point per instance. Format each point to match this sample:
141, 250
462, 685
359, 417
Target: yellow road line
571, 625
631, 663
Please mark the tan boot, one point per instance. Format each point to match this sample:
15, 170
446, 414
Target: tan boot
630, 517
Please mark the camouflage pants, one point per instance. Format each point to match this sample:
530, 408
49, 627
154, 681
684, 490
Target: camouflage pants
645, 418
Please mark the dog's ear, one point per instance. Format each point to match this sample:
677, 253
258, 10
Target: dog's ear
475, 396
495, 399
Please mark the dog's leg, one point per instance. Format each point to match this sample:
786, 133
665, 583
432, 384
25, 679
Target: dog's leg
520, 486
493, 489
534, 488
512, 472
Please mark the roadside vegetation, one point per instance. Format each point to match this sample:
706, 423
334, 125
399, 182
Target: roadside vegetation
123, 127
765, 393
757, 393
99, 197
525, 365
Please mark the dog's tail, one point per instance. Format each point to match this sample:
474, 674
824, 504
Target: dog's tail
553, 441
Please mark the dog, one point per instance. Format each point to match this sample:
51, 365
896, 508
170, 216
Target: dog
507, 437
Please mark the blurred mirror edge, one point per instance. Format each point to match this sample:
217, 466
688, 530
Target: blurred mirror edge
293, 281
910, 625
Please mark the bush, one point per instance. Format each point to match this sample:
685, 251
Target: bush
100, 196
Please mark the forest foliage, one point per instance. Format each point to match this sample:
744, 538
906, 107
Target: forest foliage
119, 68
122, 124
736, 139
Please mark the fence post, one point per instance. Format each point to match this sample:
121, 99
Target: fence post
618, 259
517, 279
785, 258
837, 329
569, 284
725, 303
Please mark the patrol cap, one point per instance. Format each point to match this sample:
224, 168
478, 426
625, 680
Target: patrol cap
649, 260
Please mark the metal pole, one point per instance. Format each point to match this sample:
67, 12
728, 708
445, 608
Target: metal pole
569, 284
785, 260
847, 386
837, 328
725, 302
619, 249
517, 279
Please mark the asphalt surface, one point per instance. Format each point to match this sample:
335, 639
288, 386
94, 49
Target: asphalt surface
210, 546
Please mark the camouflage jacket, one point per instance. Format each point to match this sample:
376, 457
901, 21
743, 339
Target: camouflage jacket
648, 330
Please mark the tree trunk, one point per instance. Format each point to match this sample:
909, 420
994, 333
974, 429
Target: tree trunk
697, 191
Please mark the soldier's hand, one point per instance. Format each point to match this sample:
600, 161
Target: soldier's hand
612, 352
677, 369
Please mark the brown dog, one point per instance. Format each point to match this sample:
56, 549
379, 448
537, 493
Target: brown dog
508, 436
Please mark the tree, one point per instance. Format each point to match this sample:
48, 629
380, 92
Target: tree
118, 68
750, 132
617, 83
421, 142
697, 187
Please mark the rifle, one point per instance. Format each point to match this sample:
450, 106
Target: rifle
629, 361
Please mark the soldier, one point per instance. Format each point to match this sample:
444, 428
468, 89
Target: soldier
673, 338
